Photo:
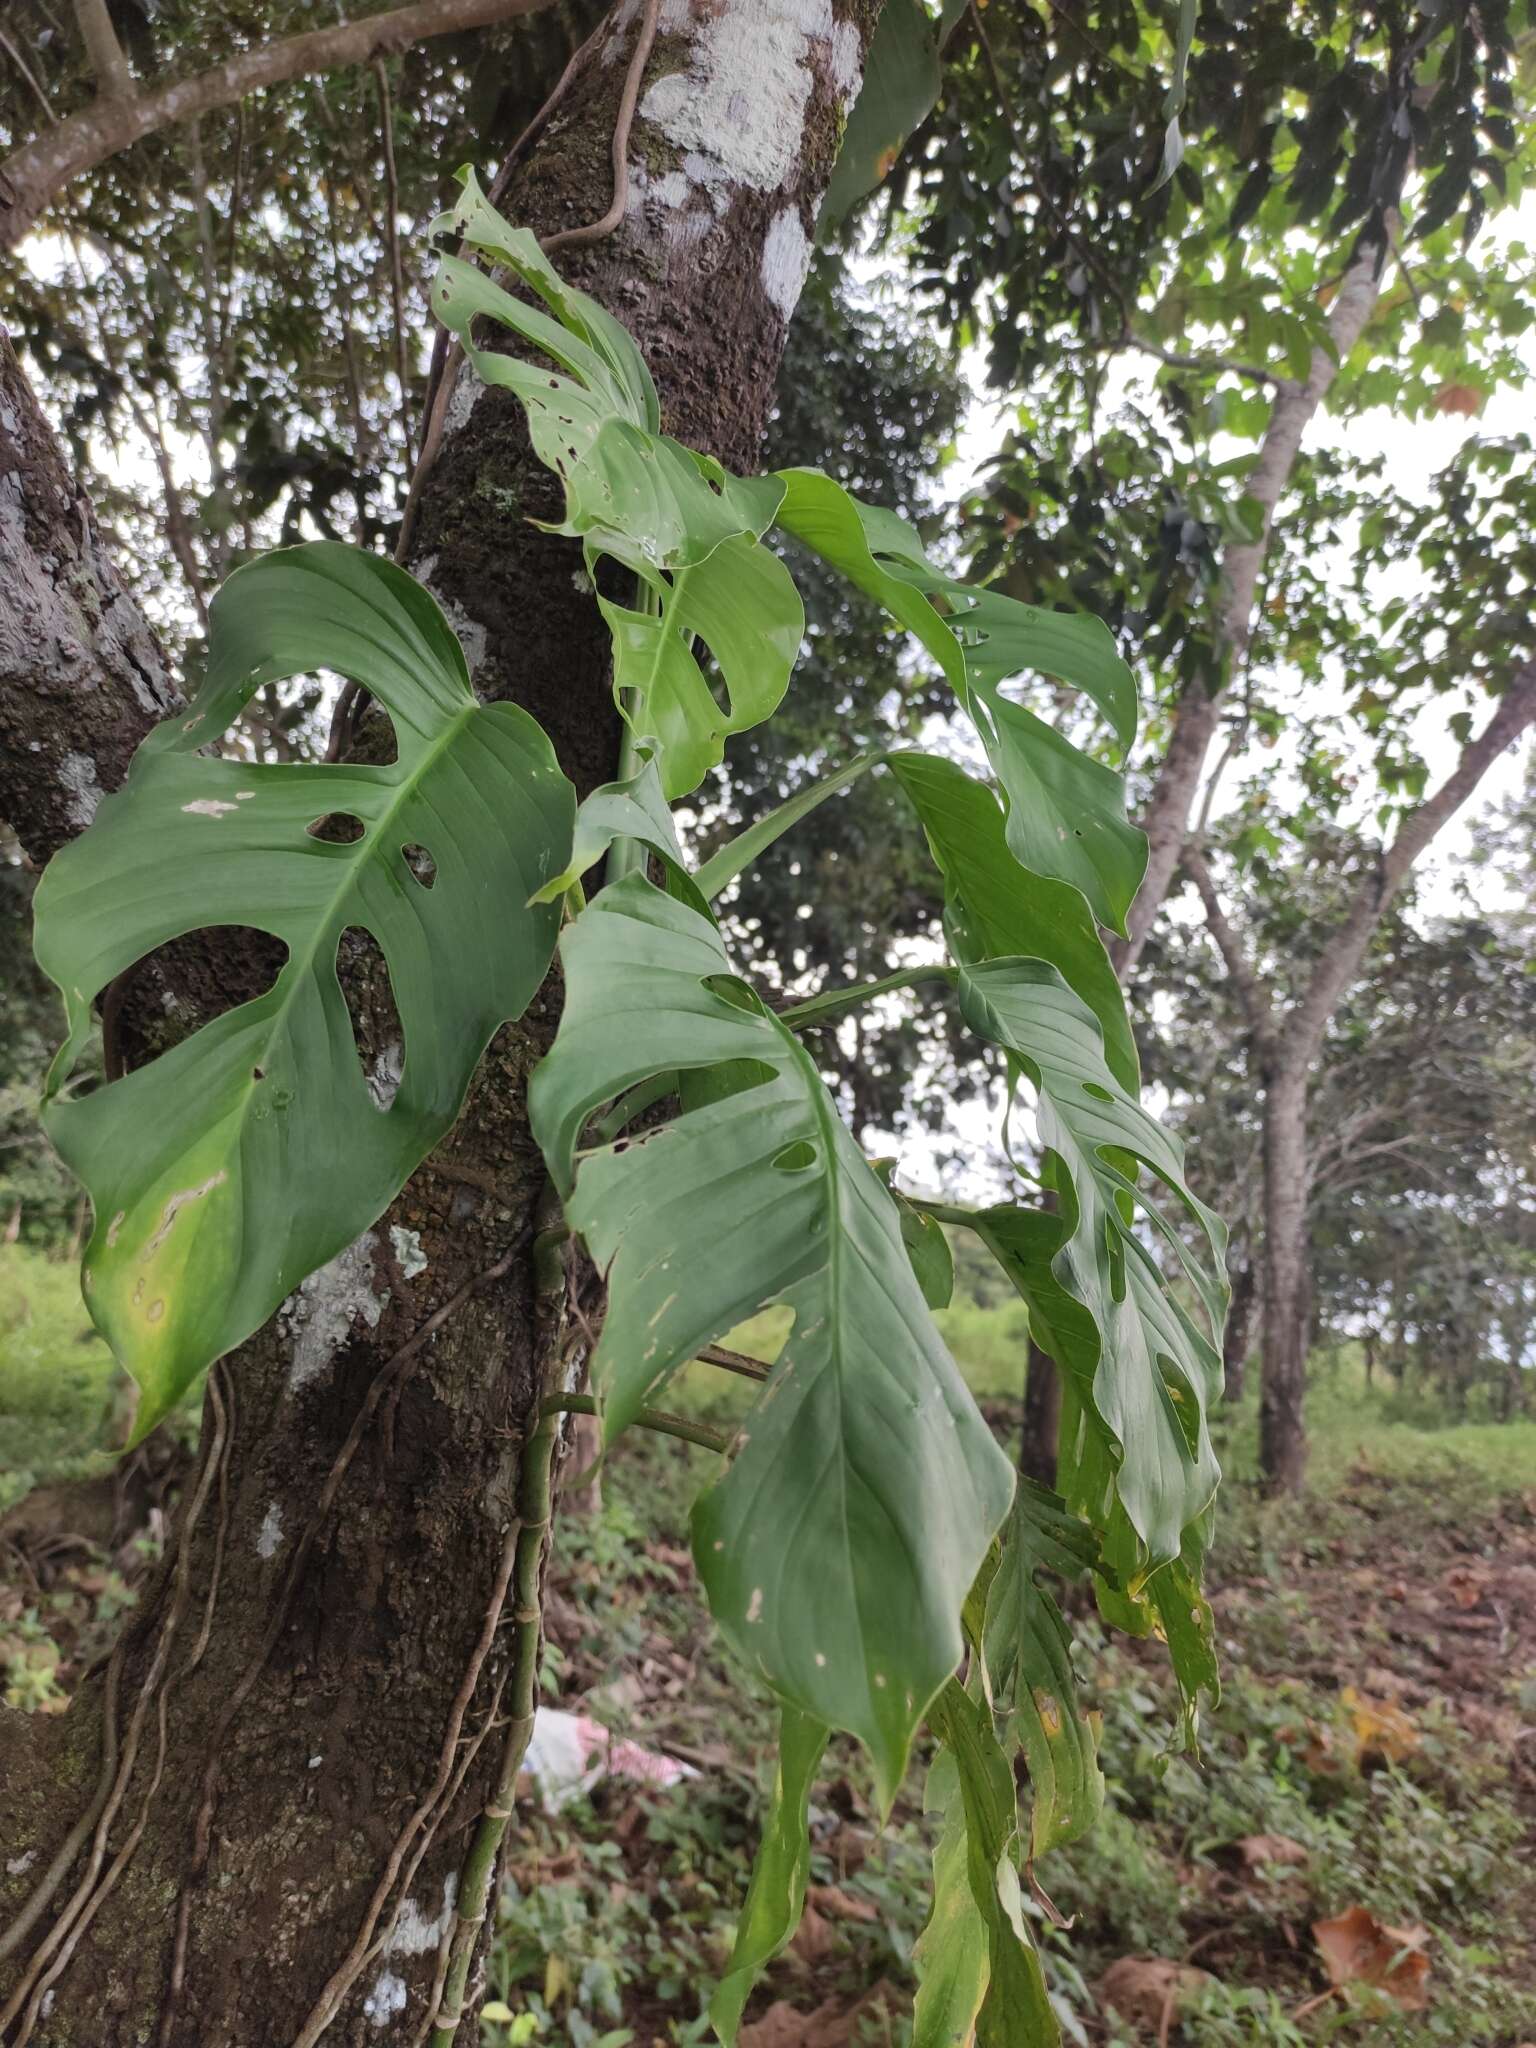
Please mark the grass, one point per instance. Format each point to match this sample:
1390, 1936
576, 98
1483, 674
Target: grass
55, 1375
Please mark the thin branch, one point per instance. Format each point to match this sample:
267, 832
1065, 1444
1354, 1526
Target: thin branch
32, 177
1340, 959
1206, 364
1257, 1007
109, 66
396, 271
28, 74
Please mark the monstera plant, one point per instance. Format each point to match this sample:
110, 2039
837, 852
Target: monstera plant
864, 1544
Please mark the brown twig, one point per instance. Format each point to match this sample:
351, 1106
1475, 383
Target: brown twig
596, 230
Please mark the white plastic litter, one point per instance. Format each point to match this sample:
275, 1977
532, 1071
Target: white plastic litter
570, 1753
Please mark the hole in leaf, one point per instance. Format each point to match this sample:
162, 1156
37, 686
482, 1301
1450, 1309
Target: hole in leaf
732, 989
421, 865
340, 828
181, 986
1099, 1094
795, 1157
377, 1030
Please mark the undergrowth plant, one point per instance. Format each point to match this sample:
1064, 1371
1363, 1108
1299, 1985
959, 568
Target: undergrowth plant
864, 1543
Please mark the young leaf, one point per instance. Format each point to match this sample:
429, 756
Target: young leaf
776, 1894
687, 529
838, 1548
236, 1163
1156, 1372
632, 809
994, 907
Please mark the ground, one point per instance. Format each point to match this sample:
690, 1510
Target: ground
1372, 1763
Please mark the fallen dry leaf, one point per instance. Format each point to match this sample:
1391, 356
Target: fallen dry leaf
1259, 1849
1148, 1989
831, 2025
813, 1937
837, 1904
1466, 1586
1382, 1731
1358, 1949
1462, 398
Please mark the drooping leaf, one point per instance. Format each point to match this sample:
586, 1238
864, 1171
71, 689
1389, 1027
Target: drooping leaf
951, 1955
1066, 812
1015, 2011
995, 908
1173, 99
1029, 1664
687, 529
776, 1894
227, 1169
865, 1488
1157, 1372
901, 83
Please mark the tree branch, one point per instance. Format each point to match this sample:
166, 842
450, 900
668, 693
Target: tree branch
109, 66
32, 177
1198, 712
1340, 959
1208, 365
1257, 1007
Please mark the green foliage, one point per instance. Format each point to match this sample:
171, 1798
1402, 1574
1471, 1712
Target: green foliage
250, 1153
54, 1375
855, 1523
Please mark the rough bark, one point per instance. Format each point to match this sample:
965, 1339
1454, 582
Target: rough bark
1198, 713
32, 177
302, 1737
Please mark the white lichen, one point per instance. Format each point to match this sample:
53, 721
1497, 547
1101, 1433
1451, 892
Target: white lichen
77, 774
387, 1997
786, 258
385, 1074
270, 1534
208, 807
408, 1252
318, 1319
414, 1934
742, 102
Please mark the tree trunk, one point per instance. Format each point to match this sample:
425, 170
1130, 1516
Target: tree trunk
291, 1735
1238, 1333
1042, 1418
1287, 1293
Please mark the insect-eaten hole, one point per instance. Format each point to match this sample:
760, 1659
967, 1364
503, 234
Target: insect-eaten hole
795, 1157
421, 865
377, 1030
339, 828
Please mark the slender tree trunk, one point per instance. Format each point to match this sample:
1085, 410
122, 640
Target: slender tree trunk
1287, 1291
290, 1740
1042, 1418
1198, 713
1238, 1335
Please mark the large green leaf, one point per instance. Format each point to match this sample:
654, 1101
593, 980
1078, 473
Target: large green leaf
234, 1164
901, 83
1015, 2011
1029, 1665
686, 528
1066, 812
994, 907
776, 1894
1157, 1371
865, 1487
